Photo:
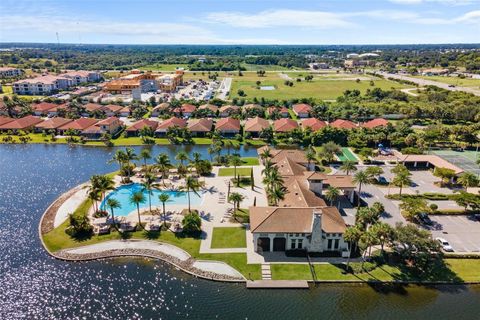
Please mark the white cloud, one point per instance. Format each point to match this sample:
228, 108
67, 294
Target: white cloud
447, 2
280, 18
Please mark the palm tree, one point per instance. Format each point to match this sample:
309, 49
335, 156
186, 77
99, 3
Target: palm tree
130, 155
106, 184
468, 180
402, 179
137, 198
236, 198
352, 235
148, 185
181, 156
113, 203
163, 164
211, 151
383, 232
266, 154
191, 184
360, 178
329, 150
374, 171
276, 194
332, 194
196, 158
95, 197
273, 179
145, 155
268, 167
235, 161
164, 197
119, 157
348, 166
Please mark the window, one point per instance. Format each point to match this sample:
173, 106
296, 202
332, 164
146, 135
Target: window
337, 242
329, 247
300, 244
293, 243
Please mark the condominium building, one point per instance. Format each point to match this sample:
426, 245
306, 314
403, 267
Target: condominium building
9, 72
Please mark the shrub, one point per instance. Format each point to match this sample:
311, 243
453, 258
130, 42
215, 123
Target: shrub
433, 207
192, 223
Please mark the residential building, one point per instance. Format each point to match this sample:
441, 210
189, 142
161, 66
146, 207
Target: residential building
284, 125
255, 125
42, 108
313, 124
163, 127
185, 110
228, 110
79, 77
282, 111
213, 109
52, 124
228, 127
4, 120
76, 126
113, 110
111, 125
21, 124
41, 85
343, 124
9, 72
378, 122
160, 109
145, 82
200, 127
302, 110
134, 129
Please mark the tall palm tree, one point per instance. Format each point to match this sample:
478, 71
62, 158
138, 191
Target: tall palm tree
332, 194
106, 183
360, 178
163, 164
468, 180
383, 232
119, 157
402, 179
95, 197
112, 204
164, 197
148, 185
265, 154
191, 184
182, 156
196, 158
145, 154
276, 194
235, 161
268, 166
130, 155
352, 235
311, 156
211, 151
137, 198
236, 198
348, 166
273, 179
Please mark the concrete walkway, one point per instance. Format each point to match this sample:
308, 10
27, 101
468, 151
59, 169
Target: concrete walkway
217, 267
69, 206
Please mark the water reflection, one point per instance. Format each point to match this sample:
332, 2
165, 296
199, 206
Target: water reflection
35, 286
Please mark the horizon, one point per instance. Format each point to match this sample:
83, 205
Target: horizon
212, 22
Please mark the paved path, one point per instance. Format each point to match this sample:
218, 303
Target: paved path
424, 82
224, 88
69, 206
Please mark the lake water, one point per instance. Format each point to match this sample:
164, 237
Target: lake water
35, 286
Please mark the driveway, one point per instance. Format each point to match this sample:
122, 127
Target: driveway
462, 232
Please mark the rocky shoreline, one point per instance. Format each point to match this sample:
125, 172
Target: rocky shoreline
186, 265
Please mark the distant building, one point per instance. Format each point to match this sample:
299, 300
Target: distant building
79, 77
48, 84
9, 72
145, 82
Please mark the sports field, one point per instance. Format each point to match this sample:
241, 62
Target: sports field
324, 87
347, 155
463, 159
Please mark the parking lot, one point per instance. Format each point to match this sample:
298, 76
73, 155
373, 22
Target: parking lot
462, 232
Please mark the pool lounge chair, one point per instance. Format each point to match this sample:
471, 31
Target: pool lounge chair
101, 229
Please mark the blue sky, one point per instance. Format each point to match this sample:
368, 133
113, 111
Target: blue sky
241, 22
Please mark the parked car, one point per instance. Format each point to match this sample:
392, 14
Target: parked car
425, 219
445, 245
382, 180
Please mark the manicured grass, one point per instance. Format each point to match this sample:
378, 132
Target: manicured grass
241, 215
137, 141
229, 237
223, 172
255, 67
319, 88
238, 261
456, 81
164, 67
347, 155
250, 161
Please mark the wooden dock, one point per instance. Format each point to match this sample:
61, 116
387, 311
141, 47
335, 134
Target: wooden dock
277, 284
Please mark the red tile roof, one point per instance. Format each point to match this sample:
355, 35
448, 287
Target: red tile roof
142, 124
43, 106
228, 124
210, 107
229, 109
200, 125
108, 121
256, 124
21, 123
378, 122
4, 120
301, 108
285, 125
90, 107
188, 108
173, 121
313, 123
52, 123
343, 124
114, 108
79, 124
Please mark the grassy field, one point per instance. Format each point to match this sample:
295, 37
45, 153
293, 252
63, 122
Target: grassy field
250, 161
164, 67
225, 172
456, 81
229, 237
318, 88
256, 67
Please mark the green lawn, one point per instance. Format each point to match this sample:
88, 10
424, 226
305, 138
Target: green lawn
456, 81
164, 67
250, 161
229, 237
224, 172
319, 88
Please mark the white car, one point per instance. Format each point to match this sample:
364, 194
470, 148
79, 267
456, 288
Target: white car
445, 245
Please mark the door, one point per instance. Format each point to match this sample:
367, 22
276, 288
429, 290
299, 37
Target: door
263, 244
279, 244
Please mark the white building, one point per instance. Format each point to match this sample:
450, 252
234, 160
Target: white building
9, 72
79, 77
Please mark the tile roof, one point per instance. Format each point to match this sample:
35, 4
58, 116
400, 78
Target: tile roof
200, 125
21, 123
343, 124
114, 108
53, 123
43, 106
301, 108
91, 107
228, 124
4, 120
142, 124
298, 194
79, 124
313, 123
109, 121
208, 106
285, 125
378, 122
256, 124
229, 109
173, 121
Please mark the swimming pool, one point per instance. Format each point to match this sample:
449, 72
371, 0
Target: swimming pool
123, 193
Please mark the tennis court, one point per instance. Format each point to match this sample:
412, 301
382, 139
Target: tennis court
347, 155
463, 159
